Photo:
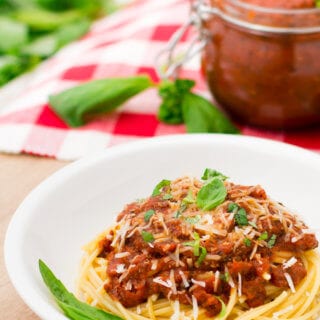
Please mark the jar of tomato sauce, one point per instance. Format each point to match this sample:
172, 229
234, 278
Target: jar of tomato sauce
262, 60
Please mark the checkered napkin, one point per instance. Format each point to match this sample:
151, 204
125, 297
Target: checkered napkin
123, 44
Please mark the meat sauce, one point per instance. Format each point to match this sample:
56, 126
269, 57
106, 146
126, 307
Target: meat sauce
166, 245
265, 78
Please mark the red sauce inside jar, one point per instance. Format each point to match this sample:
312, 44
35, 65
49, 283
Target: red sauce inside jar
267, 79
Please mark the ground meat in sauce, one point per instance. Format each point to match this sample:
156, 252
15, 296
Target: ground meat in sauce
164, 265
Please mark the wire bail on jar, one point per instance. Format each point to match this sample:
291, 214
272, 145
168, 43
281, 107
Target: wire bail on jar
168, 62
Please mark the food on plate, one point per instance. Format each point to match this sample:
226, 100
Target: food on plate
197, 249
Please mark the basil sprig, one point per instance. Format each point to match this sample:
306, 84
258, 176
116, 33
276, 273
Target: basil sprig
71, 306
179, 105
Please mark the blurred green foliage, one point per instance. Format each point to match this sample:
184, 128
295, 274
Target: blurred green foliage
33, 30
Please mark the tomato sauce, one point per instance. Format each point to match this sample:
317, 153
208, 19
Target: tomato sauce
259, 75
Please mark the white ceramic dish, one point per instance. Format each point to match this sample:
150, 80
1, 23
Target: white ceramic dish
79, 201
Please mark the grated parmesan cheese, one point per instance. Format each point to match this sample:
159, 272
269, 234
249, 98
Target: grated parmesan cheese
167, 283
154, 264
121, 268
199, 283
184, 279
239, 285
195, 308
174, 287
289, 263
216, 280
290, 282
122, 254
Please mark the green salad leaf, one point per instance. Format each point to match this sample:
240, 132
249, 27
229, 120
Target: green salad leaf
72, 307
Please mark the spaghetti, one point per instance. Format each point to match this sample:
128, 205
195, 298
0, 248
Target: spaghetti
204, 249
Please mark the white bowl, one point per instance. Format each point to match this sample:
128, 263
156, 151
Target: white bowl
76, 203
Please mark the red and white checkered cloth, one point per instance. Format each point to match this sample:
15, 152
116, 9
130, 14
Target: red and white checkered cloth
123, 44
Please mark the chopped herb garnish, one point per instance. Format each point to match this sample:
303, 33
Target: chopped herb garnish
241, 217
223, 308
158, 188
272, 241
203, 254
189, 198
198, 250
177, 214
212, 173
225, 276
263, 236
147, 236
212, 194
167, 196
195, 244
233, 207
148, 215
247, 242
253, 224
182, 208
193, 220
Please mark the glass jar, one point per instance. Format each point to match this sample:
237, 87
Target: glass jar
262, 64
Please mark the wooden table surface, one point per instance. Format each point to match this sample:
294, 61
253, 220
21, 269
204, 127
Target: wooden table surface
19, 174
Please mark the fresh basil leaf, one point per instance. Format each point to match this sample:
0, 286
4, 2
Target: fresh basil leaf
225, 276
172, 93
263, 236
247, 242
241, 218
253, 224
148, 215
72, 31
272, 241
212, 173
203, 254
200, 115
43, 46
189, 198
12, 34
157, 190
193, 220
212, 194
44, 20
72, 307
147, 236
223, 308
96, 97
232, 207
